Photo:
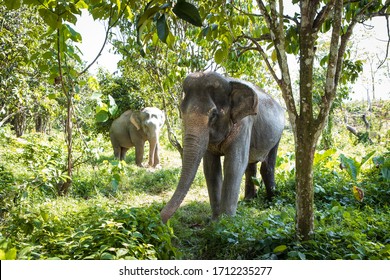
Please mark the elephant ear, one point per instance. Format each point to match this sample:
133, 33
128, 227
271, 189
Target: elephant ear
135, 120
244, 100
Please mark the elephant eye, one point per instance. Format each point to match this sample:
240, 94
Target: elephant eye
213, 115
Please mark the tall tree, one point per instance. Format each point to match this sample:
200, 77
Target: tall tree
22, 85
299, 33
62, 57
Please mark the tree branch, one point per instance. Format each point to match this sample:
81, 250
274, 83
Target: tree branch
388, 43
275, 25
323, 15
245, 12
109, 27
101, 49
265, 57
335, 59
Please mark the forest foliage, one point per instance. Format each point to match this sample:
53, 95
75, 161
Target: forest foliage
101, 219
64, 196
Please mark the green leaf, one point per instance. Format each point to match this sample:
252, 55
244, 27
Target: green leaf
72, 34
367, 157
274, 56
2, 255
113, 108
45, 215
302, 256
220, 55
296, 254
323, 155
96, 96
146, 17
170, 40
118, 3
351, 165
280, 249
52, 96
11, 254
162, 29
148, 13
385, 250
326, 26
121, 252
81, 5
101, 116
12, 4
107, 256
188, 12
256, 181
50, 18
324, 60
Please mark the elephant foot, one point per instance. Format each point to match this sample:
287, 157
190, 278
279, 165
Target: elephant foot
250, 196
270, 193
250, 193
157, 166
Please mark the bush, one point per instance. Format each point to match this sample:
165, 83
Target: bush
99, 230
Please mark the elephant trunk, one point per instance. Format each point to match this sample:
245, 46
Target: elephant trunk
195, 146
153, 151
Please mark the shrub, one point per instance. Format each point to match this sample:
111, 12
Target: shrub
92, 230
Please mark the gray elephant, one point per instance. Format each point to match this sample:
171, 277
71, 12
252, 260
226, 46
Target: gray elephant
133, 129
231, 118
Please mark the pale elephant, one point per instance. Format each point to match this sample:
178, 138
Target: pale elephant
231, 118
133, 129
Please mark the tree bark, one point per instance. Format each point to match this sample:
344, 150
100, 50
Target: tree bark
305, 132
304, 157
64, 188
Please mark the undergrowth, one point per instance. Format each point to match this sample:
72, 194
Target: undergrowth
112, 210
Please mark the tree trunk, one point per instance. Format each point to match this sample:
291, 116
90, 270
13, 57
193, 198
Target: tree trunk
69, 135
327, 139
19, 123
304, 157
64, 188
305, 130
41, 122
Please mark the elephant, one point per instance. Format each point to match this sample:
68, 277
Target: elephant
133, 129
232, 118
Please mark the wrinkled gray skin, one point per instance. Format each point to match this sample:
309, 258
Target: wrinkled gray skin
230, 118
133, 129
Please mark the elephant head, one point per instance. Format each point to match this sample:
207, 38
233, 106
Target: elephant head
211, 106
150, 120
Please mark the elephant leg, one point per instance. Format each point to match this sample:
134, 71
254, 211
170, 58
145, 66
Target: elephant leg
213, 173
267, 171
231, 188
250, 189
139, 153
117, 152
156, 156
123, 153
235, 164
